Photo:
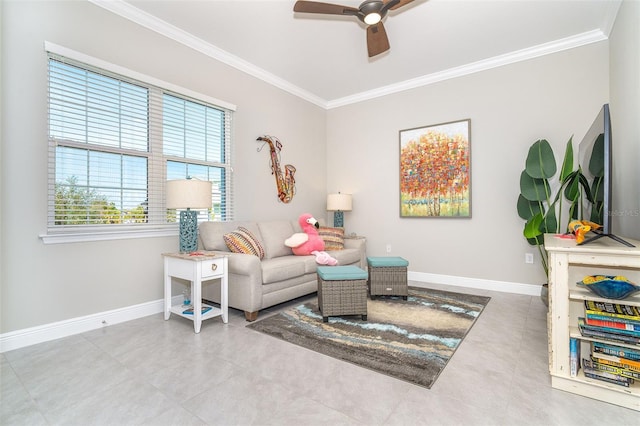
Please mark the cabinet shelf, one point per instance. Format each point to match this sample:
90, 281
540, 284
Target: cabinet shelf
568, 264
597, 389
584, 294
633, 389
575, 333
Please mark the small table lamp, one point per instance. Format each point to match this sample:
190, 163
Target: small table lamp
339, 203
188, 194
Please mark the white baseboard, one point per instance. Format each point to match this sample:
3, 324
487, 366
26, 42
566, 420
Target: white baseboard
478, 283
44, 333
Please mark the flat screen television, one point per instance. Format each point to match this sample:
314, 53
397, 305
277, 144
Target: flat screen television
595, 157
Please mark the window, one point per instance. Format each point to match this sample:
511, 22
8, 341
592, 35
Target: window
192, 134
115, 140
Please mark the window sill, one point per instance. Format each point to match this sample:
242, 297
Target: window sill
64, 237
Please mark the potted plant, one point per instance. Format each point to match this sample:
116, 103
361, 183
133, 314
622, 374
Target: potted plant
541, 200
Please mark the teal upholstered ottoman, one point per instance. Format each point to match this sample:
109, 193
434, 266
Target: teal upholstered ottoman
342, 290
387, 276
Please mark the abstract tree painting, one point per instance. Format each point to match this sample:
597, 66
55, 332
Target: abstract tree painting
435, 170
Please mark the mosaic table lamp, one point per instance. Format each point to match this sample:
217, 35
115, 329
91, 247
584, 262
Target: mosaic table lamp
188, 194
339, 203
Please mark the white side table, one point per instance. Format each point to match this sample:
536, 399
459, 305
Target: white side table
196, 268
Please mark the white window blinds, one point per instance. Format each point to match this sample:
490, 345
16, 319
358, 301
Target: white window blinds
114, 141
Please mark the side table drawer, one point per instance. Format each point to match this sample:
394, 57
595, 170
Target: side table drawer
212, 268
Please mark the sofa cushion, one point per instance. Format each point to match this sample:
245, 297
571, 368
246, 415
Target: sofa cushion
333, 237
282, 268
243, 241
341, 273
273, 235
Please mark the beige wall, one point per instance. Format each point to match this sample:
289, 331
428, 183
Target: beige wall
510, 107
41, 283
624, 67
351, 149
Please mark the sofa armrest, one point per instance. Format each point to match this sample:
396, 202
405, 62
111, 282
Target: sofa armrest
240, 263
359, 243
245, 282
244, 264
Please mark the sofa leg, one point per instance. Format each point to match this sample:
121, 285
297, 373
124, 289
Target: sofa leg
251, 316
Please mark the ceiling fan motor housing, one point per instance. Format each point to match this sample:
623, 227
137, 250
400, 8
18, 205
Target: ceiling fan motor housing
371, 7
371, 12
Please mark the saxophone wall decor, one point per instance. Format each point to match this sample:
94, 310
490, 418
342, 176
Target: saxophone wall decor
285, 181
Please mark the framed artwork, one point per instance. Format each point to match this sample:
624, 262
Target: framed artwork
435, 170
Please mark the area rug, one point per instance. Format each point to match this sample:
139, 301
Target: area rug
410, 340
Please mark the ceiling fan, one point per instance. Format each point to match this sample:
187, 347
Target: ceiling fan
371, 12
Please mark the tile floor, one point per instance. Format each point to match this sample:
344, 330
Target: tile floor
155, 372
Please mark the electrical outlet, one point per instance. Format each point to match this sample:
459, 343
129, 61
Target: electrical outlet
388, 248
528, 258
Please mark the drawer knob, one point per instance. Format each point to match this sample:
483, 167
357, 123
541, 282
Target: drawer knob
214, 266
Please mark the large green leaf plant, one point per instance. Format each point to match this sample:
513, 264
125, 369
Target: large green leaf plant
542, 199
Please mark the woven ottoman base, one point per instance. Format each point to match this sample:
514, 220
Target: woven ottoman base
342, 290
387, 277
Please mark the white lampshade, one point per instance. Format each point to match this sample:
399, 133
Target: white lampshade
188, 194
339, 202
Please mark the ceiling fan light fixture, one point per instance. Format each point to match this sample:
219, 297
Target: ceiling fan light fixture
371, 12
372, 18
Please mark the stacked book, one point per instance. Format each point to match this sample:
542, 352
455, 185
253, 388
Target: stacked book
617, 323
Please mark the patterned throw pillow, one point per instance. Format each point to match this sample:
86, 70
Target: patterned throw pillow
333, 238
243, 241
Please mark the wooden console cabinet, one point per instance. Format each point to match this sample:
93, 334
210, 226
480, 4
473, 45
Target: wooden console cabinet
569, 264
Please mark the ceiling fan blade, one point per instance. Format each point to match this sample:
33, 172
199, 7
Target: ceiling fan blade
377, 40
326, 8
397, 5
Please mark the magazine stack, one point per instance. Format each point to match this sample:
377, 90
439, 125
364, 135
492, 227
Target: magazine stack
613, 324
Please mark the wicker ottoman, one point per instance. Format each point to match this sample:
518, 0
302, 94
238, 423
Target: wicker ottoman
342, 290
387, 276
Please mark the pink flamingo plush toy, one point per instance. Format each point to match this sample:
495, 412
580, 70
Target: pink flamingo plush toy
309, 242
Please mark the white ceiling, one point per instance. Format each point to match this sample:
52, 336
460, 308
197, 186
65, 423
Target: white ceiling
324, 58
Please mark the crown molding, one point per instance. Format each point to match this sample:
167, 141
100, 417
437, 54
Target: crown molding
132, 13
486, 64
126, 10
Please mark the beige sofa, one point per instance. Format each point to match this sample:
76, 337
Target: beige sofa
280, 276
